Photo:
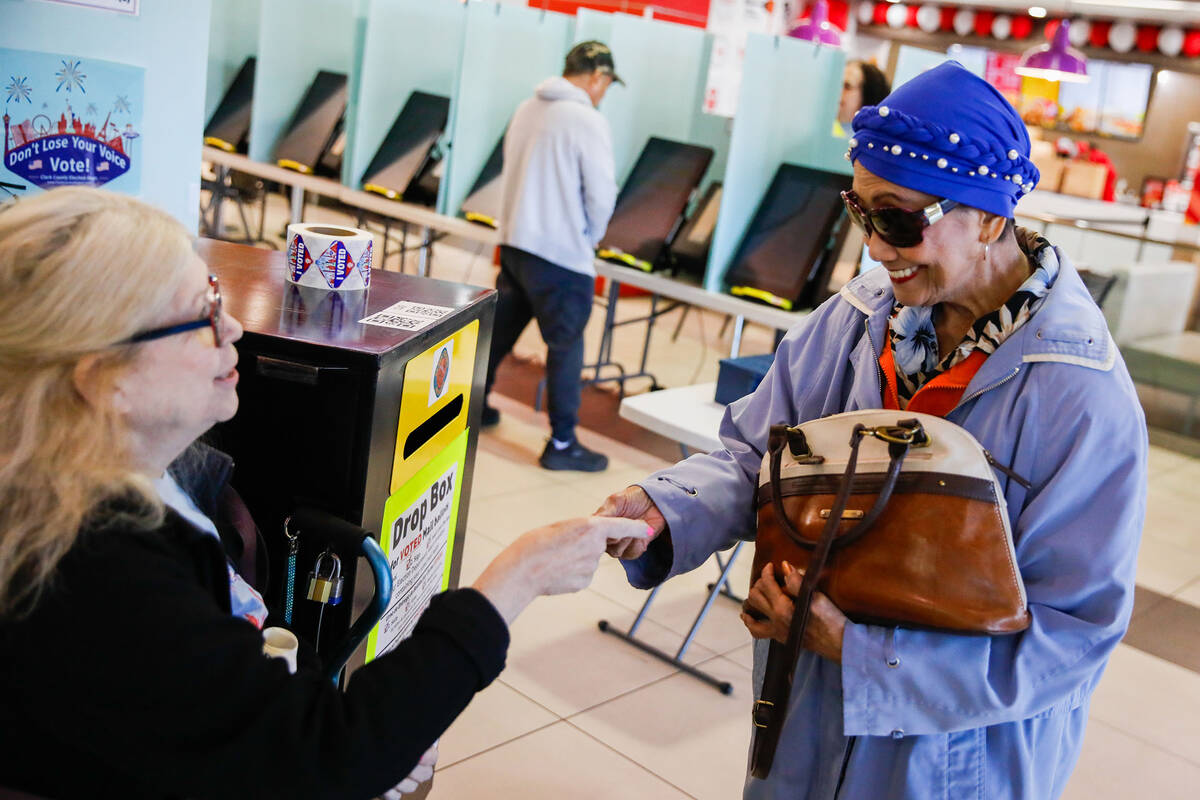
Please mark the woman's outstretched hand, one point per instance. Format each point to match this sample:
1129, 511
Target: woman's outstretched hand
632, 503
554, 559
826, 622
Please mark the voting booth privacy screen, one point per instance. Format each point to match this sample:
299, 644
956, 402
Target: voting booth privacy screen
652, 202
316, 125
483, 203
691, 246
407, 152
789, 248
229, 126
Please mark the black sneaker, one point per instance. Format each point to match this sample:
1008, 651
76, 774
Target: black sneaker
574, 456
489, 417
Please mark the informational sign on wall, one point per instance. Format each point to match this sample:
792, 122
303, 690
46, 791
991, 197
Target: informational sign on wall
71, 121
730, 21
418, 538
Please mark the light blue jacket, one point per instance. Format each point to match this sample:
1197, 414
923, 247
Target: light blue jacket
959, 716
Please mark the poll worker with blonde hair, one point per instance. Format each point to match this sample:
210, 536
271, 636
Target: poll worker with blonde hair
133, 662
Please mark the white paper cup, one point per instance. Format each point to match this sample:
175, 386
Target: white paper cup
281, 643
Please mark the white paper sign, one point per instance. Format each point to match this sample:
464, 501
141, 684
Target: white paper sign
417, 558
407, 316
730, 21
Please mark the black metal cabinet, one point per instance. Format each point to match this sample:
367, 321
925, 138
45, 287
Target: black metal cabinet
347, 417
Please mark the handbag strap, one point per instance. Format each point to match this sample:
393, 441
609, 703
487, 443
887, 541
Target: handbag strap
905, 432
770, 710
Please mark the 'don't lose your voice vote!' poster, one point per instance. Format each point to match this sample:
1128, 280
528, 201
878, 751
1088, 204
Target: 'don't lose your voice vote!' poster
70, 121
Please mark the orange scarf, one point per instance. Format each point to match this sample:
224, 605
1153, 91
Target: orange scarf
940, 395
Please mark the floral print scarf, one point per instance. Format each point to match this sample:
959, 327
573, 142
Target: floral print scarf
914, 342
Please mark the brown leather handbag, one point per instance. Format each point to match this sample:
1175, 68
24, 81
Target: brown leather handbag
899, 518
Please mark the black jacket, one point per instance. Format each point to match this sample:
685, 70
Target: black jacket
131, 679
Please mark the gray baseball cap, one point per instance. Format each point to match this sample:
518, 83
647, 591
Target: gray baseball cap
591, 56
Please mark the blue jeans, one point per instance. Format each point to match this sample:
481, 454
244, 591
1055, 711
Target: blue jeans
561, 301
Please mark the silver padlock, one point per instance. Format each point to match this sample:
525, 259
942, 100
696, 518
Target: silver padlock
322, 587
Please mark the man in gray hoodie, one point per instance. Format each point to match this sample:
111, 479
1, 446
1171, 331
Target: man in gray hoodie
558, 192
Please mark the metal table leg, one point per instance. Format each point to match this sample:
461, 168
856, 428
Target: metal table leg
724, 585
724, 687
297, 203
739, 325
403, 244
425, 254
218, 224
605, 359
610, 319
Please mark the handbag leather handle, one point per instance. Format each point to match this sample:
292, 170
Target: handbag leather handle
771, 710
896, 452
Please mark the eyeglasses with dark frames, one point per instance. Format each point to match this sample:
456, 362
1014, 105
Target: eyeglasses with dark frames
212, 319
899, 227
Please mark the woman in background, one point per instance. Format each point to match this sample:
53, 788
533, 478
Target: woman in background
863, 84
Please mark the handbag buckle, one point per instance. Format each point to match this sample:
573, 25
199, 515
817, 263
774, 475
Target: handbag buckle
761, 714
907, 432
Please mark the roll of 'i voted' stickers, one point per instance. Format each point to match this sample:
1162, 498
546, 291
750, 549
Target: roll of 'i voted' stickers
330, 257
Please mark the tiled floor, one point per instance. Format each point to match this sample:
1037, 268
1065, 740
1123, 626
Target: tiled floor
581, 714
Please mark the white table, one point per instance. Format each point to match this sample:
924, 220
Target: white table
691, 417
688, 415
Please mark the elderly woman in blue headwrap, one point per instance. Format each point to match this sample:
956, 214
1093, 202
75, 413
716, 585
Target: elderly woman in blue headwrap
991, 327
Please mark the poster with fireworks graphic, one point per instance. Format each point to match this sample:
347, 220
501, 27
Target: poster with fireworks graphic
70, 121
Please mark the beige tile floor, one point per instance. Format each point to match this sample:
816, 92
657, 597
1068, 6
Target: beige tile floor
580, 714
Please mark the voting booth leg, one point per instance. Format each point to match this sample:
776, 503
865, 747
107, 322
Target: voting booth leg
425, 257
218, 224
735, 348
724, 687
297, 204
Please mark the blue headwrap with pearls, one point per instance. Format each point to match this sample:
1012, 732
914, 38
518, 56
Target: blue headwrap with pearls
948, 133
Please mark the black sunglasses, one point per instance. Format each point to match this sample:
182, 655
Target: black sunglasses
899, 227
212, 319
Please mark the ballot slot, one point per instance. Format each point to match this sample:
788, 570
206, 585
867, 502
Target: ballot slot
789, 249
316, 126
229, 126
690, 247
482, 205
651, 204
407, 165
430, 427
434, 406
